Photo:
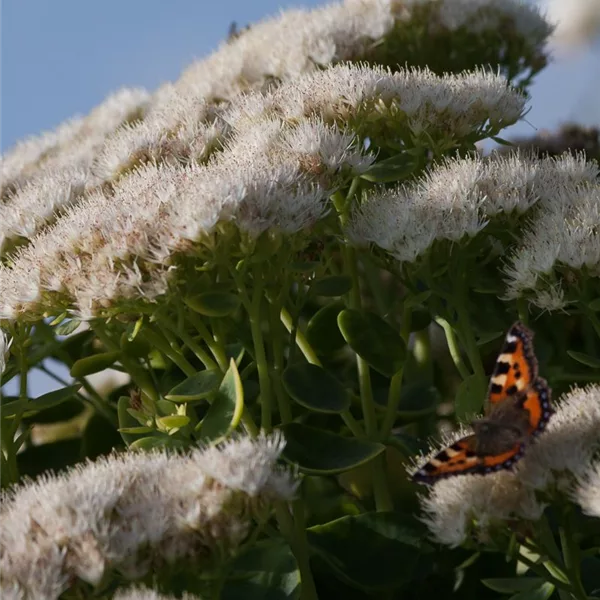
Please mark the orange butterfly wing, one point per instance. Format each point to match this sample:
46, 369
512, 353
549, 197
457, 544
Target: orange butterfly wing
516, 367
515, 374
537, 403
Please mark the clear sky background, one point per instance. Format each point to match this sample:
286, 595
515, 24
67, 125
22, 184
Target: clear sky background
60, 58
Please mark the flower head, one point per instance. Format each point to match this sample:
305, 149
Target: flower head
587, 490
134, 512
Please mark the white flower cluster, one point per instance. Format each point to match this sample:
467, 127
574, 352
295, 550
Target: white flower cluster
135, 512
120, 244
565, 233
561, 458
177, 123
458, 197
73, 144
417, 98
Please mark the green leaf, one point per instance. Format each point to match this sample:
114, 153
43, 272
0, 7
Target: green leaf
94, 364
391, 169
67, 327
489, 337
226, 409
55, 414
213, 304
585, 359
134, 345
319, 452
594, 305
196, 387
58, 319
391, 544
136, 430
173, 422
417, 300
469, 397
128, 422
418, 400
314, 388
166, 408
99, 437
510, 585
148, 443
322, 331
373, 340
501, 141
35, 405
53, 398
542, 592
334, 285
267, 571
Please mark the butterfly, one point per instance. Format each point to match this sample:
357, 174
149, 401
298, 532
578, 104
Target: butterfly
518, 408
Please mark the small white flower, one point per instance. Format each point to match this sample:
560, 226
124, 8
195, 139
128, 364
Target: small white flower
75, 143
564, 233
33, 204
566, 448
456, 506
587, 490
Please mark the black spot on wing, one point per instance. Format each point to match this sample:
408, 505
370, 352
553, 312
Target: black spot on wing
495, 388
512, 390
502, 368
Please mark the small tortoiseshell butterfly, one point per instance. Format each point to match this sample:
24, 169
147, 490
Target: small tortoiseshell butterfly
518, 408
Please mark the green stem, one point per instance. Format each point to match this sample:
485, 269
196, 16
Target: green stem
293, 529
422, 354
264, 380
353, 425
381, 492
453, 347
392, 405
591, 315
301, 341
543, 573
311, 356
170, 351
523, 311
200, 353
283, 401
468, 339
364, 374
95, 400
137, 373
571, 554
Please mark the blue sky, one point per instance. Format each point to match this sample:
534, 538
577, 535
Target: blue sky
63, 57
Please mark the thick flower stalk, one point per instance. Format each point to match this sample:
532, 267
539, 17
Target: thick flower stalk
137, 512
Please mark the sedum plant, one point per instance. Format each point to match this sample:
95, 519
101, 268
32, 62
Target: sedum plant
302, 267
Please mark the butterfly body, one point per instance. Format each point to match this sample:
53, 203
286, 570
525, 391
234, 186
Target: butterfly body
518, 408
